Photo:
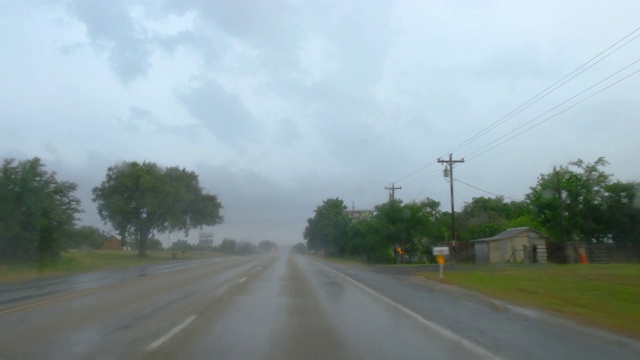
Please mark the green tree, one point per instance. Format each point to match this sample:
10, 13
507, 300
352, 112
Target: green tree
570, 202
299, 248
366, 240
36, 211
154, 244
419, 226
227, 246
138, 199
623, 211
245, 248
86, 237
328, 230
485, 217
267, 246
389, 224
181, 245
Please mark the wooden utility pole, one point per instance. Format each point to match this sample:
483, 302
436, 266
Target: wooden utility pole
561, 203
392, 191
450, 163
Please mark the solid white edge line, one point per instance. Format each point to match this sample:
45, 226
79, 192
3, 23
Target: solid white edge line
472, 346
172, 332
243, 279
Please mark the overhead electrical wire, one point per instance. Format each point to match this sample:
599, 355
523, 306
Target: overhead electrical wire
485, 191
546, 119
561, 82
544, 93
421, 179
557, 106
470, 156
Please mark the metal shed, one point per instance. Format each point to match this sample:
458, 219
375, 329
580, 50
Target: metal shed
512, 245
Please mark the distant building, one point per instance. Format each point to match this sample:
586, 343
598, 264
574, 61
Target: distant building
521, 244
112, 243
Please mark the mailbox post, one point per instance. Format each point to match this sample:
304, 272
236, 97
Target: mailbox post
440, 253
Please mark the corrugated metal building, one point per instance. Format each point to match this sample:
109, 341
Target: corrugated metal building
512, 245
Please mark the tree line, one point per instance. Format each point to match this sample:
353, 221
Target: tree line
38, 212
575, 202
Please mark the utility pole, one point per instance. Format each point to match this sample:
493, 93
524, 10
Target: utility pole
450, 163
561, 201
392, 191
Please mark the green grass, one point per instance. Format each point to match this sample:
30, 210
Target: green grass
602, 295
76, 261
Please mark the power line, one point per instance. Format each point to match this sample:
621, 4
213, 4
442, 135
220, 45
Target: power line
422, 179
546, 91
545, 120
553, 87
557, 106
470, 155
485, 191
414, 172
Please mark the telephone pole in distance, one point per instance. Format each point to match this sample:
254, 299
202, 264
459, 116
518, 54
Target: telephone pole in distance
450, 163
392, 191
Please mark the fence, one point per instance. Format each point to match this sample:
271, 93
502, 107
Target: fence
564, 253
599, 253
464, 252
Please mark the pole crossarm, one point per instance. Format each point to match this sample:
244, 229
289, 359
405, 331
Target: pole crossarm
392, 191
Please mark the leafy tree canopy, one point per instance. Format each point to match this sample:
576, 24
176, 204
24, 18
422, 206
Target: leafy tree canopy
485, 217
299, 248
227, 246
570, 202
138, 199
328, 229
623, 211
36, 211
267, 246
89, 237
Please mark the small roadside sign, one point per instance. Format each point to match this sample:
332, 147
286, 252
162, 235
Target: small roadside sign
440, 252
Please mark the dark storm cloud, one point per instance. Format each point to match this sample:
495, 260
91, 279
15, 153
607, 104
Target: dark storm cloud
110, 27
219, 111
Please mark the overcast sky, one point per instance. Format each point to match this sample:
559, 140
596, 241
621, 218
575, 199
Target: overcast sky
279, 105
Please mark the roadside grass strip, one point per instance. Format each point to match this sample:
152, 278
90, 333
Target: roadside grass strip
80, 261
606, 296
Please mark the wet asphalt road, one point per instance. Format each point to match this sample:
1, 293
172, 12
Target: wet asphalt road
279, 307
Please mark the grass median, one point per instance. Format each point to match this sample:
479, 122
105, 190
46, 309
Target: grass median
602, 295
77, 261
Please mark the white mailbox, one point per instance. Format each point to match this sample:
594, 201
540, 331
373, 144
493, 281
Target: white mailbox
441, 250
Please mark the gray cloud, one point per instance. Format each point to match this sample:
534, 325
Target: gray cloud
140, 119
219, 111
262, 23
351, 96
110, 27
288, 132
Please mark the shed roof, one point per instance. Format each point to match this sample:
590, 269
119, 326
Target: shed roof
508, 234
